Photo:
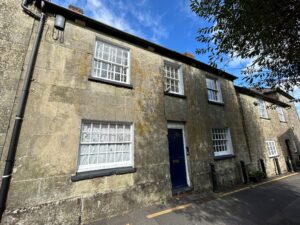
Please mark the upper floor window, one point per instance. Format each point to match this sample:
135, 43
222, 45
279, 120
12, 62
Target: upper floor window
280, 114
222, 141
262, 109
105, 145
214, 90
271, 147
111, 63
173, 79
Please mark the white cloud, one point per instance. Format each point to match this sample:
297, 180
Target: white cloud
134, 18
151, 22
141, 2
185, 10
101, 12
238, 63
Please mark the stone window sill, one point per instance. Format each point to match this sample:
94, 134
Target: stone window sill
216, 103
222, 157
117, 84
101, 173
265, 118
175, 95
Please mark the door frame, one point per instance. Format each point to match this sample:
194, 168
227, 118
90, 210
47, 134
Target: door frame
172, 125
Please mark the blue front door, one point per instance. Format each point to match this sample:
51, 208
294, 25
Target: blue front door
177, 158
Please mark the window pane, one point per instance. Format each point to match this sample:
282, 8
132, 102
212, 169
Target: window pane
101, 159
84, 149
94, 149
213, 90
271, 148
109, 61
93, 159
83, 160
126, 156
173, 82
104, 145
85, 137
221, 140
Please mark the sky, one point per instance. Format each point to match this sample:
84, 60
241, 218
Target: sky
169, 23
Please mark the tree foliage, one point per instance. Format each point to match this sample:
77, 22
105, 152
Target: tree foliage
265, 31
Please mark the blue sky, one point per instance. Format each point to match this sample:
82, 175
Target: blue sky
168, 23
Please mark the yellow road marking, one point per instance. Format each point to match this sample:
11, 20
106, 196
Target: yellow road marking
150, 216
256, 185
276, 179
235, 191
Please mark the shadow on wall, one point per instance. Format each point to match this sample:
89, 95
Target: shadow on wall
290, 145
254, 135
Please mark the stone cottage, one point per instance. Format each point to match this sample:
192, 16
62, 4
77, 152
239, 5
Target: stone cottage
272, 129
112, 122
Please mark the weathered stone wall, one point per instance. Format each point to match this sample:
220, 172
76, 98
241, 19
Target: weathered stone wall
15, 33
61, 96
200, 117
293, 133
259, 130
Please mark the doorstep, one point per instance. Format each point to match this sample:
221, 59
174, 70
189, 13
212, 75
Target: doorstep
182, 190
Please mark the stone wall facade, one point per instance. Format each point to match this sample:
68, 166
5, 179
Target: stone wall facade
259, 130
16, 33
62, 96
293, 128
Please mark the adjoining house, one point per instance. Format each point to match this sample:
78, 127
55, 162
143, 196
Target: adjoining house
114, 122
272, 129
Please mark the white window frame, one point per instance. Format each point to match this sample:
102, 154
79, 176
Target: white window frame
216, 138
217, 90
112, 165
262, 109
99, 61
271, 149
179, 79
280, 113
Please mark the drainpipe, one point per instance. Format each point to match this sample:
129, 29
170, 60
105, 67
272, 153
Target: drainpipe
27, 10
6, 178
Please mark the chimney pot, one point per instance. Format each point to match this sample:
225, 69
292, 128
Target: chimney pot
76, 9
188, 54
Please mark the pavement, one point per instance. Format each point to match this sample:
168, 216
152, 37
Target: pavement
275, 201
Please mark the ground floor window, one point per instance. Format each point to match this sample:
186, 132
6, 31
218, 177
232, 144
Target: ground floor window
222, 141
105, 145
271, 148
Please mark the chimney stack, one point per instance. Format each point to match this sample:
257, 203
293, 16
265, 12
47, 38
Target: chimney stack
76, 9
188, 54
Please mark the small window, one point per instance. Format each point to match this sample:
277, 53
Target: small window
222, 141
173, 79
280, 114
105, 145
214, 90
271, 148
111, 63
262, 109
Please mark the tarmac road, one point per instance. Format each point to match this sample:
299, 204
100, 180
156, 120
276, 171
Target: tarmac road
275, 202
